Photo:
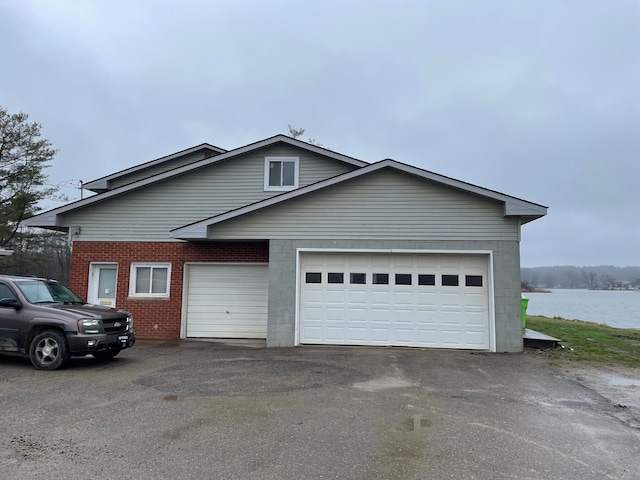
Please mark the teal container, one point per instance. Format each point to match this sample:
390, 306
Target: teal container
524, 301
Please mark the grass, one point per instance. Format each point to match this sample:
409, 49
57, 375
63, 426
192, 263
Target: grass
591, 342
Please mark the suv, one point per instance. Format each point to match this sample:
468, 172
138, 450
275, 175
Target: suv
50, 323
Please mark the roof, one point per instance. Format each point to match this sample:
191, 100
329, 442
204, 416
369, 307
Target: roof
102, 184
49, 219
513, 206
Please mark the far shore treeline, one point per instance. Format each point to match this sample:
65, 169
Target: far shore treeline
604, 277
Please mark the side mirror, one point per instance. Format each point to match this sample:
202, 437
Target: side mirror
10, 303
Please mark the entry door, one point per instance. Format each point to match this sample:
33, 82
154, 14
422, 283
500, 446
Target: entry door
102, 284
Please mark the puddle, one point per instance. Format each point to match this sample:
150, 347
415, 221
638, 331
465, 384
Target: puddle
623, 382
383, 383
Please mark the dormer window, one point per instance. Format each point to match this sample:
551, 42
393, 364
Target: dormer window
281, 173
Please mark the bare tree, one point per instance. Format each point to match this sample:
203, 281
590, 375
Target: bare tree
295, 132
45, 254
572, 279
590, 278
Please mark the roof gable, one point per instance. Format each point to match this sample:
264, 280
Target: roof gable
104, 183
512, 206
50, 218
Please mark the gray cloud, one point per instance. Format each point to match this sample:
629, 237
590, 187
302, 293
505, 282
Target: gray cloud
536, 99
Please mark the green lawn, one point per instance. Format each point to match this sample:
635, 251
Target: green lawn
592, 342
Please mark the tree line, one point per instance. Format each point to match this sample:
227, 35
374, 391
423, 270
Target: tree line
592, 278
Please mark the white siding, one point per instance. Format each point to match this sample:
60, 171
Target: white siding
148, 214
383, 205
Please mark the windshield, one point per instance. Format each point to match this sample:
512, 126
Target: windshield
42, 291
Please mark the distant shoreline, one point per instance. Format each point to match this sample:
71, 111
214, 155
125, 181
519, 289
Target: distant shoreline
535, 290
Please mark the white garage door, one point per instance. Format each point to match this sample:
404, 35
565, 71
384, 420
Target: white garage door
226, 301
420, 300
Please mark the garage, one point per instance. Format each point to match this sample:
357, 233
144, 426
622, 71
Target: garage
436, 300
226, 301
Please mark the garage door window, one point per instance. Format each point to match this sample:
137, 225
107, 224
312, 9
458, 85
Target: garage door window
381, 278
313, 277
450, 280
358, 278
336, 277
403, 279
473, 280
150, 279
426, 279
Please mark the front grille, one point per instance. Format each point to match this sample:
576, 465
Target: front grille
119, 325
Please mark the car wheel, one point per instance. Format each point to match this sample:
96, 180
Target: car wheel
49, 350
106, 354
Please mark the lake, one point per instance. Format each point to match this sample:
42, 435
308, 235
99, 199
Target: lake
615, 308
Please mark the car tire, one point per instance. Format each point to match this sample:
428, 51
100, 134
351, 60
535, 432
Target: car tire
106, 354
49, 350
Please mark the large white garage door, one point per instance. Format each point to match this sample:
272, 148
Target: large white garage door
420, 300
226, 301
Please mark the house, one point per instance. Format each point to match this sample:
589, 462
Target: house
289, 242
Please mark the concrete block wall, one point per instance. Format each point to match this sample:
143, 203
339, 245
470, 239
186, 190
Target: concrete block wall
506, 277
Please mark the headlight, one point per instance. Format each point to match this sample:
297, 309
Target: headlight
89, 325
130, 320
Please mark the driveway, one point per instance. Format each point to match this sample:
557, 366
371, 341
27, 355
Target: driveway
200, 410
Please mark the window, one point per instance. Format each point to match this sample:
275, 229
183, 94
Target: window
280, 173
381, 279
6, 292
313, 277
335, 278
450, 280
473, 280
403, 279
426, 279
150, 279
358, 278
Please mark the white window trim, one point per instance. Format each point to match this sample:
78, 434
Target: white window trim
267, 162
133, 278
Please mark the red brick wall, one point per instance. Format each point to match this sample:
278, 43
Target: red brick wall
156, 318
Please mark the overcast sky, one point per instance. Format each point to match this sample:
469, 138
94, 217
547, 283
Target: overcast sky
539, 99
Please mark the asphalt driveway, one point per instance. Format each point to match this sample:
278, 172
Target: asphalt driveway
199, 410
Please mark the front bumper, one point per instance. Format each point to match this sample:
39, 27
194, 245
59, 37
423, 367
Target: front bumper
83, 344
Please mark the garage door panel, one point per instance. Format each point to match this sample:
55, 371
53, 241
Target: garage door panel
227, 301
407, 313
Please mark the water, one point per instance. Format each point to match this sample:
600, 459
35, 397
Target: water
619, 309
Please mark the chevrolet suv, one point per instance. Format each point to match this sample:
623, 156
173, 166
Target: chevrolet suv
47, 321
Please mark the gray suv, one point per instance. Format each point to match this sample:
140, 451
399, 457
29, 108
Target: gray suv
50, 323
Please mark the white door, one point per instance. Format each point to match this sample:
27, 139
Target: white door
102, 284
226, 301
419, 300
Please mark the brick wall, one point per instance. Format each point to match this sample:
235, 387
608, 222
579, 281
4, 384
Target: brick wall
156, 318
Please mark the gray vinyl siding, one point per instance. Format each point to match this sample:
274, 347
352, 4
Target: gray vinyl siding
156, 169
384, 205
148, 214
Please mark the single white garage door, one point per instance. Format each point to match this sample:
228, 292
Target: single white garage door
226, 301
419, 300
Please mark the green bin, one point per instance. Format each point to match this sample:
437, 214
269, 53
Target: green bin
524, 301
